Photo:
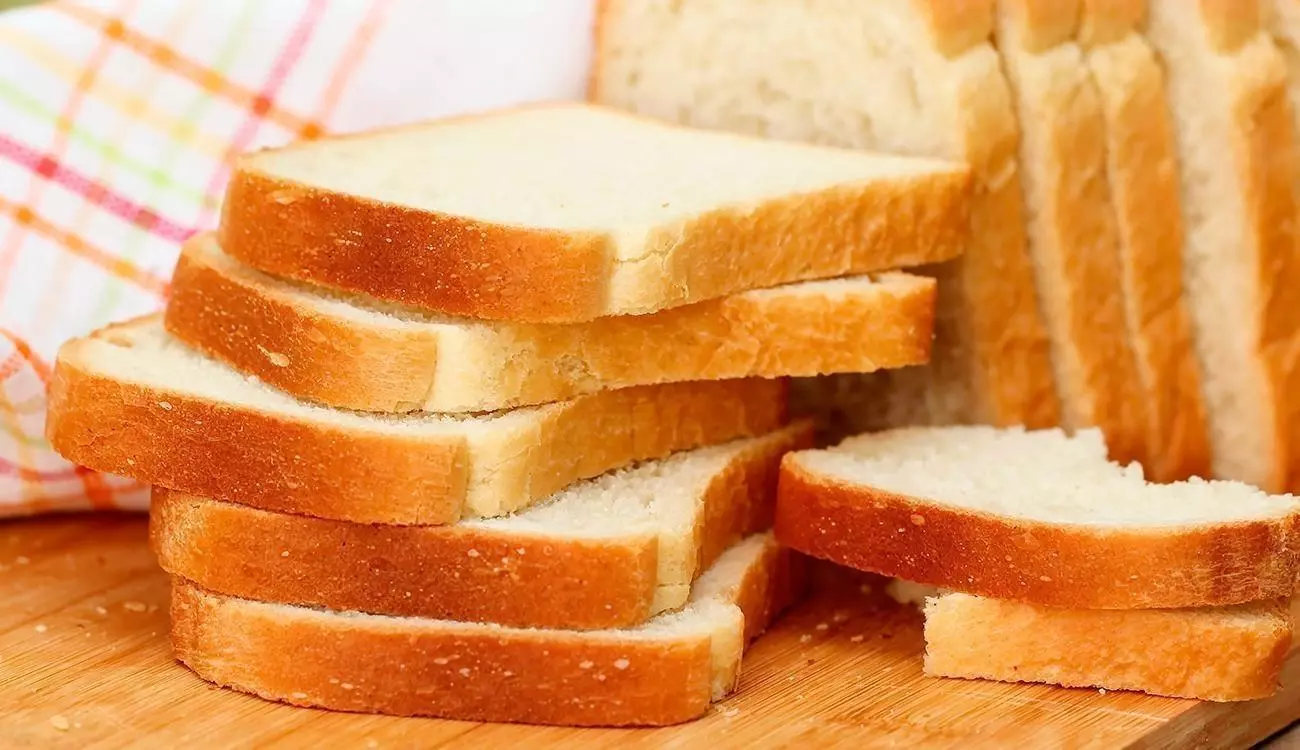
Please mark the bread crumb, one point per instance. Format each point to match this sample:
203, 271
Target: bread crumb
347, 686
472, 553
918, 519
622, 664
135, 606
440, 661
41, 627
730, 713
839, 616
22, 559
165, 406
822, 626
600, 677
1007, 558
805, 638
856, 639
507, 673
1101, 690
101, 610
298, 696
587, 665
334, 680
284, 553
520, 551
60, 722
1045, 579
464, 671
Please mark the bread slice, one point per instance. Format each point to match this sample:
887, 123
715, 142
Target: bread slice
131, 400
1142, 167
1035, 516
1070, 224
1218, 654
603, 553
1227, 91
568, 212
918, 78
351, 353
663, 672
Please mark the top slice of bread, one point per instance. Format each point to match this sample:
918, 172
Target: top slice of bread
569, 212
1142, 166
1035, 516
917, 78
1070, 224
1227, 92
131, 400
665, 671
355, 353
606, 552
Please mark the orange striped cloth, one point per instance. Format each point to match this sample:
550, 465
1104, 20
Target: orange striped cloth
118, 119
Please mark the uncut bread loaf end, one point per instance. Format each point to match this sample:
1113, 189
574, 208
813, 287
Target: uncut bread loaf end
907, 77
131, 400
569, 212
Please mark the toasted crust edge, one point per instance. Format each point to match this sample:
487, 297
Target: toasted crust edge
1056, 565
1177, 653
464, 573
485, 674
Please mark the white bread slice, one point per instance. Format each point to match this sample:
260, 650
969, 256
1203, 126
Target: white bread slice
1035, 516
606, 552
1070, 223
663, 672
1218, 654
1142, 167
131, 400
917, 78
568, 212
353, 353
1227, 91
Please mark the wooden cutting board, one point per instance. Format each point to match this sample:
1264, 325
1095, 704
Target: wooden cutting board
84, 662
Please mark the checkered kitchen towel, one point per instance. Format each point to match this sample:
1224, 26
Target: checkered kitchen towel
117, 121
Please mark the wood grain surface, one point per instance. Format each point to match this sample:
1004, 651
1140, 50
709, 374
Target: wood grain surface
84, 663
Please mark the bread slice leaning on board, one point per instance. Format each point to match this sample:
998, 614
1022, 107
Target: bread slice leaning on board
605, 552
1142, 169
131, 400
919, 78
1038, 517
353, 352
1230, 653
1071, 228
569, 212
665, 671
1227, 91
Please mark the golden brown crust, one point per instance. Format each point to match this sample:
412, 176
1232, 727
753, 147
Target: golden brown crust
1264, 146
296, 464
1043, 24
458, 671
957, 25
1188, 653
374, 365
460, 266
1043, 563
1012, 368
1143, 170
1110, 21
1230, 24
602, 12
460, 572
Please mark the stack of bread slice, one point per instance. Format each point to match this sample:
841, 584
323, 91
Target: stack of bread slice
1056, 565
482, 418
1134, 254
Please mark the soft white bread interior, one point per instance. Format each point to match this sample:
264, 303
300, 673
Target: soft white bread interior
925, 81
567, 211
356, 352
1217, 653
666, 671
131, 400
606, 552
1037, 516
1227, 92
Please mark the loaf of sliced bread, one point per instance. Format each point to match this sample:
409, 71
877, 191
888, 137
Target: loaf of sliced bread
665, 671
352, 353
1217, 653
1069, 220
131, 400
908, 77
1227, 92
1035, 516
1142, 167
603, 553
568, 212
